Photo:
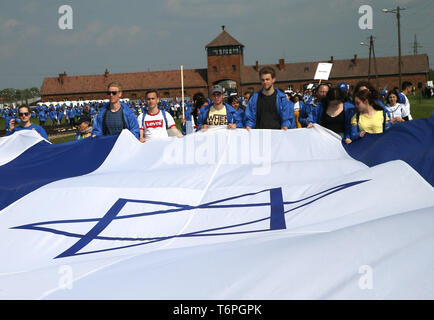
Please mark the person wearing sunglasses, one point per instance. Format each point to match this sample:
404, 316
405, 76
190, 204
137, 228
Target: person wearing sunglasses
116, 116
25, 116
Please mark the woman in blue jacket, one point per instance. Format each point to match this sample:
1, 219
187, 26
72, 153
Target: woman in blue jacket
335, 114
25, 123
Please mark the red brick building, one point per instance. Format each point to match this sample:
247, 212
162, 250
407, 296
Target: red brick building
226, 67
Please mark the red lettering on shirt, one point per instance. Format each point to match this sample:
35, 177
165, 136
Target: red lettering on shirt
154, 124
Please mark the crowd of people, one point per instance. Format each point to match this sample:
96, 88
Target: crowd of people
351, 115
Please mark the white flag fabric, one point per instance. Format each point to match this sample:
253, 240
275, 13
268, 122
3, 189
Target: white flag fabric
221, 214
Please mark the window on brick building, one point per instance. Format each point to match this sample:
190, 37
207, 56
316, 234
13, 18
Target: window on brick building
214, 69
306, 69
234, 67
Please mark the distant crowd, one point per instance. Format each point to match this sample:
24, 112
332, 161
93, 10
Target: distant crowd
351, 115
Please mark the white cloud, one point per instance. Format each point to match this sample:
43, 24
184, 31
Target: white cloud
99, 34
9, 23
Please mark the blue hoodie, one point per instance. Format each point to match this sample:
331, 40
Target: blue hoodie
129, 119
188, 117
285, 110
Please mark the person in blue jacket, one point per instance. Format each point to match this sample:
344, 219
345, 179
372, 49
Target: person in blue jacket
25, 123
188, 117
42, 117
53, 116
235, 103
378, 101
269, 108
335, 114
309, 115
219, 113
8, 117
116, 116
369, 117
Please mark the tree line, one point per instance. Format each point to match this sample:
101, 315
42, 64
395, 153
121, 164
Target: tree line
10, 95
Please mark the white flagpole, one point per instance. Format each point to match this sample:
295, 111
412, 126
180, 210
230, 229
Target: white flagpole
182, 89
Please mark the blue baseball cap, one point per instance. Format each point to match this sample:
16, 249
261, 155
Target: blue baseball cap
343, 86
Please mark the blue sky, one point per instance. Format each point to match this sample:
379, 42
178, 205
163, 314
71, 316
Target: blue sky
137, 35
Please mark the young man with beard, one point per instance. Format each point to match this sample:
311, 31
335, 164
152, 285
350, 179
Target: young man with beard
269, 108
310, 116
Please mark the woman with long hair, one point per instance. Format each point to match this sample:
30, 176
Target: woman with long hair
369, 117
335, 113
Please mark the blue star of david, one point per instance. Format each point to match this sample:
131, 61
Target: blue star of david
277, 219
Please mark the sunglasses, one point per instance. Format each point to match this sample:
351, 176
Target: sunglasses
112, 93
23, 114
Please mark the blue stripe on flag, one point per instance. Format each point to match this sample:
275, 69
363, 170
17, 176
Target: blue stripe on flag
44, 163
410, 141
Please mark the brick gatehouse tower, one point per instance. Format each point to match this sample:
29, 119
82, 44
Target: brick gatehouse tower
225, 62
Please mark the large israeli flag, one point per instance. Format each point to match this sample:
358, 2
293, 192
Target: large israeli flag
222, 214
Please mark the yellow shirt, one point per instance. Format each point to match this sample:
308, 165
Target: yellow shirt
217, 117
370, 124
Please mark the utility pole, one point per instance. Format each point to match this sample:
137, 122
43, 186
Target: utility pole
398, 17
372, 55
370, 50
375, 61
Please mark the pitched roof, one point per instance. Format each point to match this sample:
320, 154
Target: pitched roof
223, 39
342, 68
129, 81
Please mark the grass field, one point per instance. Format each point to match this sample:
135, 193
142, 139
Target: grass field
420, 108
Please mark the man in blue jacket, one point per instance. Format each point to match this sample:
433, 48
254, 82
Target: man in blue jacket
269, 108
312, 109
116, 116
219, 113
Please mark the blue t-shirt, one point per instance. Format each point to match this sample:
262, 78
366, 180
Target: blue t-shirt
114, 122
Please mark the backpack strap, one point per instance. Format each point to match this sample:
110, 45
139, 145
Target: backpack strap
143, 119
165, 118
